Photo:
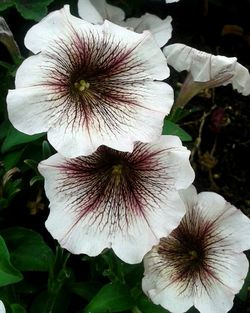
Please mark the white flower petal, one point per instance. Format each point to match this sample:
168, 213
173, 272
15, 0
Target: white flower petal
171, 1
206, 67
149, 54
96, 11
235, 226
161, 29
170, 299
54, 27
203, 66
189, 196
89, 12
129, 213
233, 271
28, 74
145, 233
22, 116
73, 143
218, 300
2, 308
241, 80
185, 171
155, 284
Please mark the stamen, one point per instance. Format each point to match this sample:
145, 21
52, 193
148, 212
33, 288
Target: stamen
193, 254
82, 85
117, 172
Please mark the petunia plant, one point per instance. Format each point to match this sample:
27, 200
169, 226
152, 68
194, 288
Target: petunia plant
107, 123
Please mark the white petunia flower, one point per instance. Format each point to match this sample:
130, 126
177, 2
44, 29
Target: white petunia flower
90, 85
206, 71
2, 308
201, 262
118, 200
96, 11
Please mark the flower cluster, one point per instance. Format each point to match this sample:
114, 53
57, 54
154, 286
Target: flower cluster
97, 86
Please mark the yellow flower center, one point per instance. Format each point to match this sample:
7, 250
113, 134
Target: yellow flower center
82, 85
116, 173
193, 254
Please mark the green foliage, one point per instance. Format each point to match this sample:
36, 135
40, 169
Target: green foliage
30, 10
17, 308
4, 4
8, 273
15, 138
171, 128
12, 158
86, 290
28, 250
113, 297
44, 303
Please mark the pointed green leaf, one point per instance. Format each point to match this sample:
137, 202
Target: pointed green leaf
47, 150
28, 250
171, 128
86, 290
15, 138
8, 273
5, 4
113, 297
33, 10
51, 303
17, 308
11, 159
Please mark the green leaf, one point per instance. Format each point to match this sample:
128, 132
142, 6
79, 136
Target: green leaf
4, 126
11, 188
86, 290
36, 179
11, 159
33, 10
113, 297
178, 114
8, 273
47, 303
3, 203
32, 164
7, 66
17, 308
171, 128
28, 250
15, 138
5, 4
46, 148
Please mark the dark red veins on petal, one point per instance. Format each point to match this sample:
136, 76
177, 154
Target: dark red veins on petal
114, 188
